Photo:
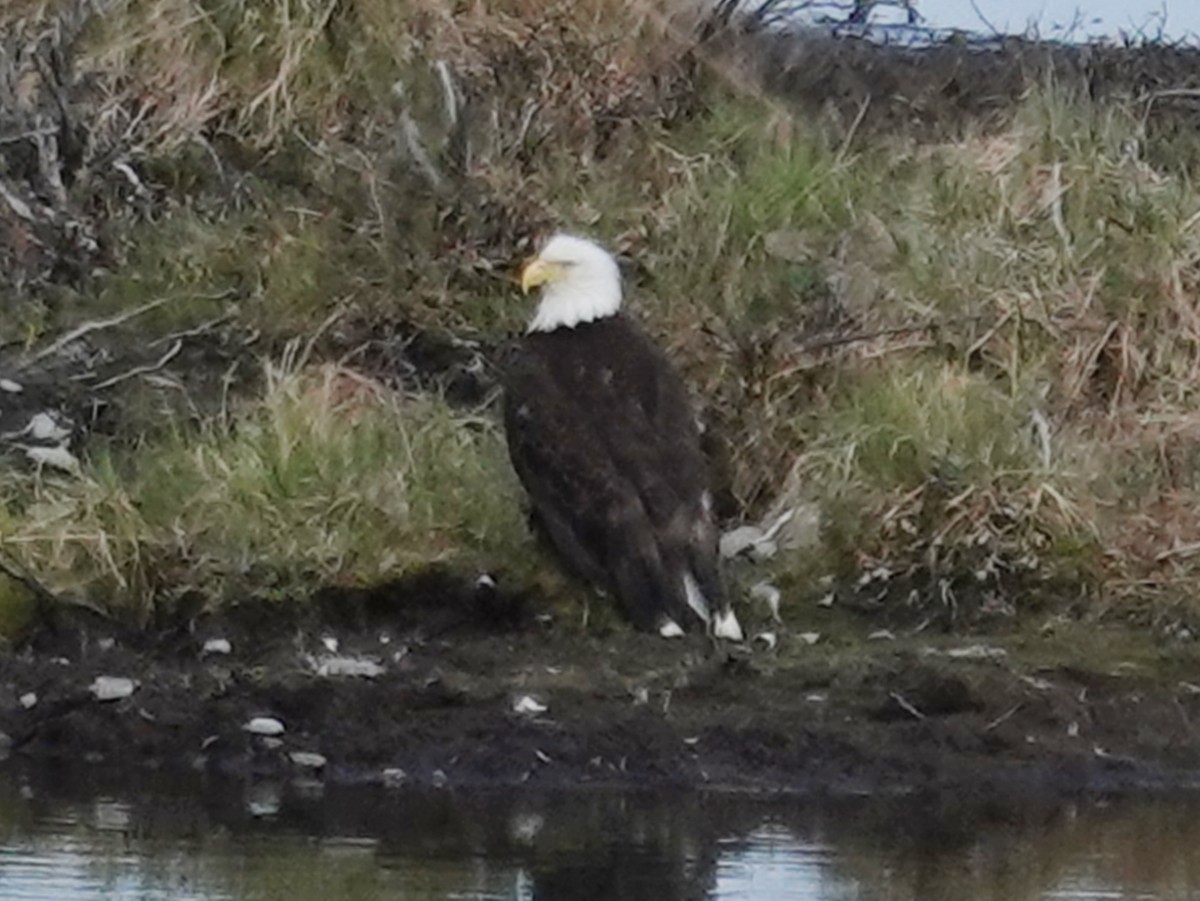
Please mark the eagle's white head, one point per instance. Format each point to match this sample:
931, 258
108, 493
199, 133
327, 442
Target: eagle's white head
580, 283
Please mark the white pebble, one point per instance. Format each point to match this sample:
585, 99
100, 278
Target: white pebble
524, 827
111, 688
29, 700
10, 386
217, 646
349, 666
528, 706
735, 541
393, 776
670, 629
309, 760
45, 427
331, 644
58, 457
769, 595
769, 639
264, 725
809, 637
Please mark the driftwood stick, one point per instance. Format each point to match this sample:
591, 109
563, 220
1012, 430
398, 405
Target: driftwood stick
142, 370
202, 329
93, 325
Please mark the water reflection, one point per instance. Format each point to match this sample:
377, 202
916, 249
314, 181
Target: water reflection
74, 835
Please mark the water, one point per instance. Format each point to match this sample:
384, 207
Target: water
77, 836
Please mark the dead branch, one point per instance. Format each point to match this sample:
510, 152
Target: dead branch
858, 337
90, 326
142, 370
202, 329
906, 705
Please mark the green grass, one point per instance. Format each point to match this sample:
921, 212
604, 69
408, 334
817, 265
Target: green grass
327, 478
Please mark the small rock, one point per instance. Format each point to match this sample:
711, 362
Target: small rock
331, 644
264, 725
735, 541
524, 827
527, 706
309, 760
767, 639
5, 741
111, 688
271, 743
394, 777
217, 646
58, 457
670, 629
641, 695
106, 644
769, 595
29, 700
970, 652
46, 427
264, 799
10, 386
349, 666
809, 638
761, 540
485, 581
826, 601
439, 778
882, 635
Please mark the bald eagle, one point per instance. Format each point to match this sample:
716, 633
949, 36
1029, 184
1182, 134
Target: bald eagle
602, 435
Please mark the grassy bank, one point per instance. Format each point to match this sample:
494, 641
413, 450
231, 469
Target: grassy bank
969, 355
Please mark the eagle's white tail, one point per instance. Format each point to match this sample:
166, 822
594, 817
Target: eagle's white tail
724, 625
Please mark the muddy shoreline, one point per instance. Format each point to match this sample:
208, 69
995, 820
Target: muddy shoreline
438, 686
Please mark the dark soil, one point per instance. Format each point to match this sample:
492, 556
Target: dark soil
623, 709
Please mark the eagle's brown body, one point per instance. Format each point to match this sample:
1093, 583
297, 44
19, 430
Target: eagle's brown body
603, 437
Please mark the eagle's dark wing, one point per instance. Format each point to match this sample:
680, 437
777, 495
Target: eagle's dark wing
672, 436
601, 510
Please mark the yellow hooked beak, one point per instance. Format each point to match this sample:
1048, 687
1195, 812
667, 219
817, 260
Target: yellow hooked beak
538, 272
